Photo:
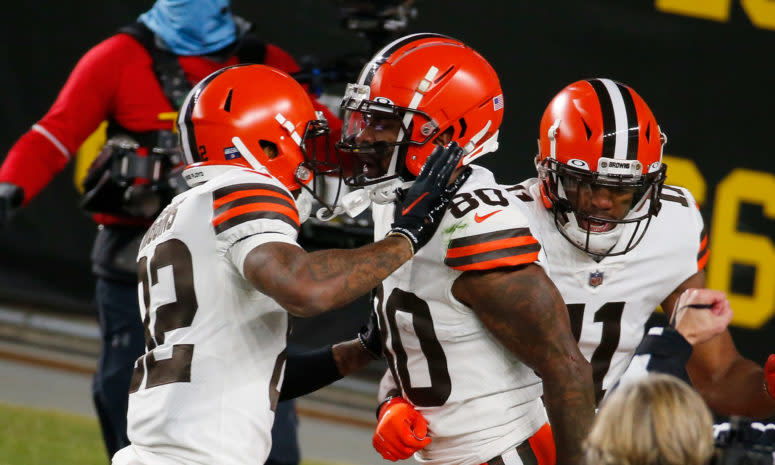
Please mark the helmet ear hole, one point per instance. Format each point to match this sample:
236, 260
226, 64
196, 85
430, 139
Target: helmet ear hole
445, 137
269, 148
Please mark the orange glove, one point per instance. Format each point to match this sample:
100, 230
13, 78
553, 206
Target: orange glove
769, 375
401, 430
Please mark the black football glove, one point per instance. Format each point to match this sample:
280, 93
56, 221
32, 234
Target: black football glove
421, 207
370, 338
11, 197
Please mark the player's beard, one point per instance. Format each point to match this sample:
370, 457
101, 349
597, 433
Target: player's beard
374, 162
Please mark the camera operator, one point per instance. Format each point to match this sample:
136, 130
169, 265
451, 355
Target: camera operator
653, 417
136, 80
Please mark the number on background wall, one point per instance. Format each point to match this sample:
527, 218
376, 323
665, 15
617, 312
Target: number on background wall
760, 12
730, 246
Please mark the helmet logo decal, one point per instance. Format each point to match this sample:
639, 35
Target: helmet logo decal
230, 153
629, 168
576, 163
620, 120
497, 103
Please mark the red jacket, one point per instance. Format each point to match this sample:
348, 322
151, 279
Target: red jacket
112, 81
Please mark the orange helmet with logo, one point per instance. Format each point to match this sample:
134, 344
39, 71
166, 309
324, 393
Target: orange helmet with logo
600, 133
429, 85
237, 112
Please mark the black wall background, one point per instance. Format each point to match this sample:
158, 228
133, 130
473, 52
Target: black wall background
709, 84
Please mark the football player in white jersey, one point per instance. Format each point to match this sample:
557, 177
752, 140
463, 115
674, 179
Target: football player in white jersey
471, 325
618, 242
220, 270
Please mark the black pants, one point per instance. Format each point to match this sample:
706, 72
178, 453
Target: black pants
123, 341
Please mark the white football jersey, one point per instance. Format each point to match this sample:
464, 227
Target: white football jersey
610, 301
479, 400
206, 388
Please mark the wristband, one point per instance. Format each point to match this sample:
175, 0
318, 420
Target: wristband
407, 238
388, 401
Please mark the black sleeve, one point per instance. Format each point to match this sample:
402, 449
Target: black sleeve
669, 352
309, 371
662, 350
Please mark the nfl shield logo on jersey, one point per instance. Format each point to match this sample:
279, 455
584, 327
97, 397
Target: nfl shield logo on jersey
596, 278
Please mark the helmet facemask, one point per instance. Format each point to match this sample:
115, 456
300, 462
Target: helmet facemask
378, 134
602, 235
318, 163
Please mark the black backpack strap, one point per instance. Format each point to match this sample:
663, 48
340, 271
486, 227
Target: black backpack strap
165, 65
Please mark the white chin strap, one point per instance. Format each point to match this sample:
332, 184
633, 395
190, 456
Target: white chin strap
474, 149
304, 205
599, 242
356, 202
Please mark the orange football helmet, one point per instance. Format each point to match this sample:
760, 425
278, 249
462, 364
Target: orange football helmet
600, 133
423, 85
262, 107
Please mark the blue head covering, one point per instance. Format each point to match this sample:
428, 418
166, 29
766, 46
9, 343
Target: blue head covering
192, 27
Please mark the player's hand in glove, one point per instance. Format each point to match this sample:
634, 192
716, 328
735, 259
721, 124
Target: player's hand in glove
370, 338
401, 430
421, 207
769, 375
11, 197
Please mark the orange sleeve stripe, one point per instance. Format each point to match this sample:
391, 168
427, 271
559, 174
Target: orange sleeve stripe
703, 260
248, 193
704, 242
494, 258
514, 260
489, 246
257, 207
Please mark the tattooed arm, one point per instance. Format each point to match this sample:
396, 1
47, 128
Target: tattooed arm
307, 284
525, 312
